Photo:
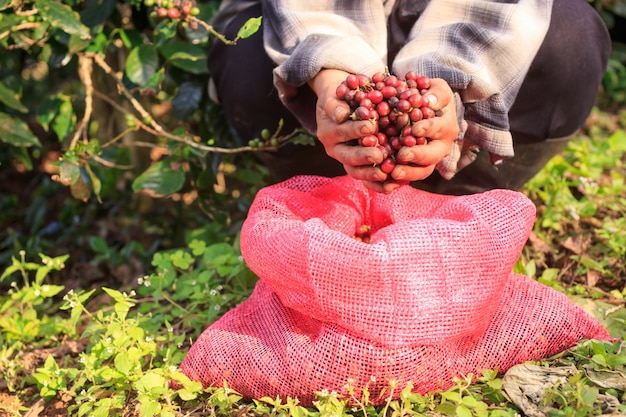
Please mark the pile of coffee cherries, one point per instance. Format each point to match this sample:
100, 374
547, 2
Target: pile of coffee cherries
394, 103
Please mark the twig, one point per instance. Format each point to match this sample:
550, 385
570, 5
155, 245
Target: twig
85, 68
159, 130
111, 164
21, 26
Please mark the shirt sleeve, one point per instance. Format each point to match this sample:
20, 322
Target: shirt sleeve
304, 37
483, 49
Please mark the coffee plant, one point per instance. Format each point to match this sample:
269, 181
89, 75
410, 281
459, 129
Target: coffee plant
93, 87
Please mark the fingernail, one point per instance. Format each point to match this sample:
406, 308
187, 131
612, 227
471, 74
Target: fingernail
432, 100
339, 114
366, 130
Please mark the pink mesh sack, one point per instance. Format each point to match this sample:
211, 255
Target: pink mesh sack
430, 296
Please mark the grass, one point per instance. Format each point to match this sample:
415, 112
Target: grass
106, 351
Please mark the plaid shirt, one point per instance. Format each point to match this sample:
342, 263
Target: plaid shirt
482, 48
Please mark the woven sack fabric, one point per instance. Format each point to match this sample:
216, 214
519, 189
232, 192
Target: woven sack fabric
431, 297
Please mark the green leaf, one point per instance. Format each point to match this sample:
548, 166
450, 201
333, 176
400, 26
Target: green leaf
618, 140
160, 178
64, 121
68, 172
98, 244
149, 408
95, 181
149, 381
249, 28
141, 64
62, 16
11, 99
80, 190
186, 395
15, 132
191, 58
123, 363
462, 411
5, 4
96, 12
188, 99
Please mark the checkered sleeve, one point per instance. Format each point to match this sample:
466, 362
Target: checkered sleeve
483, 49
304, 37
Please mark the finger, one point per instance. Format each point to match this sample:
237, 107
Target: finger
337, 111
424, 155
368, 173
386, 187
439, 94
410, 173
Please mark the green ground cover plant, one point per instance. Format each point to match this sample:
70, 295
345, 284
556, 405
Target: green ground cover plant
121, 203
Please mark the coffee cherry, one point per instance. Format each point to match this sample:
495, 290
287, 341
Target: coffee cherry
411, 75
161, 12
428, 113
383, 108
375, 96
389, 91
369, 141
415, 100
394, 104
423, 82
342, 90
388, 165
403, 106
361, 113
416, 115
378, 77
352, 81
409, 140
173, 13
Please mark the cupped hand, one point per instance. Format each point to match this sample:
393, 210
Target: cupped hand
418, 162
337, 132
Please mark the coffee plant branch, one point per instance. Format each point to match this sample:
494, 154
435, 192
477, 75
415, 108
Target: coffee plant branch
21, 26
148, 123
85, 68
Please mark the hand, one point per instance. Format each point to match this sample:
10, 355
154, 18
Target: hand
335, 130
418, 162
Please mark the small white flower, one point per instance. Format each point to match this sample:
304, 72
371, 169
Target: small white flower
217, 307
213, 292
37, 293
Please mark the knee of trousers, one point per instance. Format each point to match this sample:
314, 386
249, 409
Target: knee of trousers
563, 82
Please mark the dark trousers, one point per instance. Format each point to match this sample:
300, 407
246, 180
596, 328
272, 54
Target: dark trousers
553, 103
